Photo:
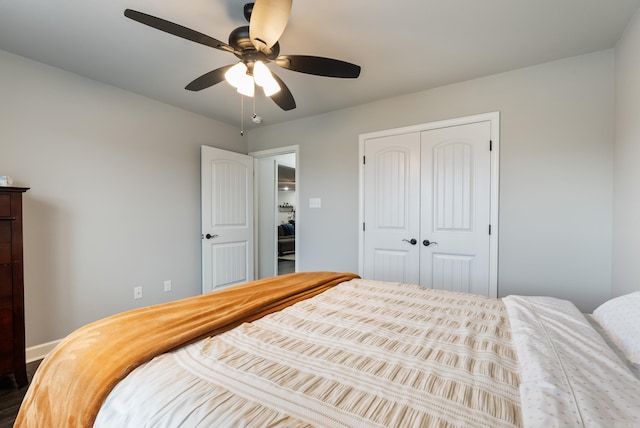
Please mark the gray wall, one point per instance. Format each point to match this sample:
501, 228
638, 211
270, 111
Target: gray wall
115, 194
556, 166
626, 226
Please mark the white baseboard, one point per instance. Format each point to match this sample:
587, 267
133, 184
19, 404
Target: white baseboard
38, 352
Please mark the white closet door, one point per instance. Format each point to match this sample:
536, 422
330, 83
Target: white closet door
455, 208
431, 187
392, 208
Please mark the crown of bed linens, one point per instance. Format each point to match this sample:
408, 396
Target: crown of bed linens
75, 378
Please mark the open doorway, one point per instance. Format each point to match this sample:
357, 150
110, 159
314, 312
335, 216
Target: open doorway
286, 216
276, 216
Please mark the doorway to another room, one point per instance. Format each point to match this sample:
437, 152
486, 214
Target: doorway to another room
286, 216
276, 202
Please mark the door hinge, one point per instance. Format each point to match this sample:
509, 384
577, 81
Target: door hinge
363, 227
490, 145
489, 229
364, 160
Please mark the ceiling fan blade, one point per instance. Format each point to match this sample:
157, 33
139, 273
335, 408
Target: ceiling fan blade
209, 79
268, 20
319, 66
177, 30
283, 97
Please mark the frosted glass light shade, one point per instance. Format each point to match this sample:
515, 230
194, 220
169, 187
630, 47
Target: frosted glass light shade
264, 78
236, 74
246, 87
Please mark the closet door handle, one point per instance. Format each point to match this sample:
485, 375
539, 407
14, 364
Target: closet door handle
426, 243
412, 241
209, 236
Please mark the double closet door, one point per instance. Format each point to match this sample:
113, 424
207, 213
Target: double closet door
427, 208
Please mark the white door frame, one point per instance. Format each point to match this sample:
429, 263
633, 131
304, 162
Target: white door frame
268, 153
494, 119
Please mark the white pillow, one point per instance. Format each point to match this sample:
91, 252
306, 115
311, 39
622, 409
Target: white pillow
620, 319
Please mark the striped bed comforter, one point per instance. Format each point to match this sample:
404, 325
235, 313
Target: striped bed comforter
363, 354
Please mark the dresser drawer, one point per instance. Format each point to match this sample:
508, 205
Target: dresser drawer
5, 241
6, 291
5, 231
5, 206
5, 253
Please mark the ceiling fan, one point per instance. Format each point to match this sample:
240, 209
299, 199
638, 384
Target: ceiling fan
255, 46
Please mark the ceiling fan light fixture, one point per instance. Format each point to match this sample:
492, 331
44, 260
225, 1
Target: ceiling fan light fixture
236, 75
246, 87
265, 79
269, 90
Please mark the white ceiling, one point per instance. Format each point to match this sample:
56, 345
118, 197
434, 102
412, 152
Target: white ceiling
402, 46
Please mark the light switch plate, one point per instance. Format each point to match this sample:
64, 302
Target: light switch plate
315, 202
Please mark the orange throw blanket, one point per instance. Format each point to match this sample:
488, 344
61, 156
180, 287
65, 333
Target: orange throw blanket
75, 378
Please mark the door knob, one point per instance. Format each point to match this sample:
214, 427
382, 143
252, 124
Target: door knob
209, 236
412, 241
426, 243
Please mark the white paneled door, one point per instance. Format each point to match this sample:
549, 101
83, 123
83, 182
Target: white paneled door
427, 208
392, 208
227, 218
455, 212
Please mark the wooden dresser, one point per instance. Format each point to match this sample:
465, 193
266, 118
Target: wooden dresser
12, 345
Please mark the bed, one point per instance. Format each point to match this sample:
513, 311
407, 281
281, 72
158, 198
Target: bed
332, 349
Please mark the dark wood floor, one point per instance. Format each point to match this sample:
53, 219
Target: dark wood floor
11, 396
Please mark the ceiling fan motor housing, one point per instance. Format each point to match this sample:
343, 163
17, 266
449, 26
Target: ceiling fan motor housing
240, 41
